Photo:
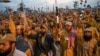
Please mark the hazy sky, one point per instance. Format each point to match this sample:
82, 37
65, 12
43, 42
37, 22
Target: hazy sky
42, 3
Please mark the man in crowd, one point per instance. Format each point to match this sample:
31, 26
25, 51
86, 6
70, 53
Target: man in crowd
89, 45
44, 43
7, 46
21, 43
67, 38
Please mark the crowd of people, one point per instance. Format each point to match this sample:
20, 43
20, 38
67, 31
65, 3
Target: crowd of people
39, 34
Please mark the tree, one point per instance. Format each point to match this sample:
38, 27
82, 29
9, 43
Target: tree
21, 6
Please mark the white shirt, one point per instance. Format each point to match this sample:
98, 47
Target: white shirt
18, 53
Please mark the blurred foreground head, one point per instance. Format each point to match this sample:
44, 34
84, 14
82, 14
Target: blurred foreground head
7, 44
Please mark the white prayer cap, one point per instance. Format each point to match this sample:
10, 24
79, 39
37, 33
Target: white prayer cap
68, 23
88, 29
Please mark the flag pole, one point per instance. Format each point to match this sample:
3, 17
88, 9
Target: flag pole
57, 17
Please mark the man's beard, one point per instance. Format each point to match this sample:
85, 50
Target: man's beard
87, 38
87, 26
43, 33
6, 52
68, 30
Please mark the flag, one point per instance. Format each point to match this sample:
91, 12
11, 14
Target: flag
85, 1
81, 3
81, 0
